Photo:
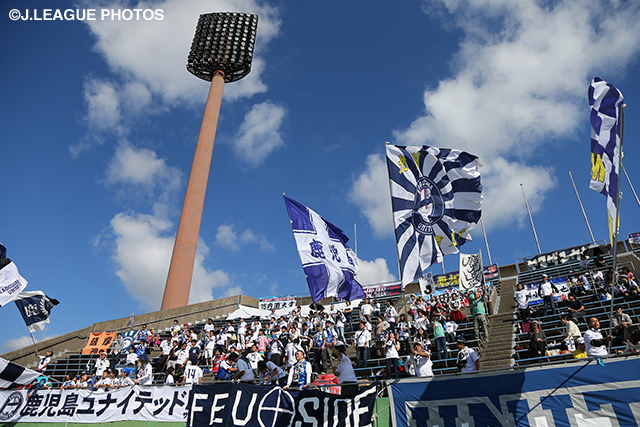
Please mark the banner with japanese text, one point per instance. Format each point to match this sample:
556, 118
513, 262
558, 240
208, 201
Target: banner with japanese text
386, 290
452, 280
275, 303
556, 257
233, 404
99, 341
84, 406
634, 238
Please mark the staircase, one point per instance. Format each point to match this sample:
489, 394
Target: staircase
497, 352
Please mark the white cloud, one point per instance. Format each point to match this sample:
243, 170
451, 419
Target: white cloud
24, 341
370, 191
519, 85
155, 52
103, 104
142, 254
374, 272
259, 133
227, 237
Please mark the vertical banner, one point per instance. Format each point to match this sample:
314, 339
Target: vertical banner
471, 271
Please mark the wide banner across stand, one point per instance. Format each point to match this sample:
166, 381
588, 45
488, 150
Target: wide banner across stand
233, 404
583, 394
84, 406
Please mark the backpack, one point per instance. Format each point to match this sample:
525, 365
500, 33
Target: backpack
222, 374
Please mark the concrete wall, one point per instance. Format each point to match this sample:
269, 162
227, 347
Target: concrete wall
74, 341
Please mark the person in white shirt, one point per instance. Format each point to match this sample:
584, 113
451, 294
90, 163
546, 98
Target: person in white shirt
268, 372
126, 381
520, 295
105, 383
102, 364
44, 361
344, 371
242, 330
175, 329
423, 361
571, 334
391, 354
145, 373
362, 342
193, 372
209, 326
594, 340
390, 315
467, 358
546, 291
366, 310
182, 357
166, 345
132, 357
254, 357
450, 328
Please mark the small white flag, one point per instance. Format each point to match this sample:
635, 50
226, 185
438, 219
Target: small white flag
471, 271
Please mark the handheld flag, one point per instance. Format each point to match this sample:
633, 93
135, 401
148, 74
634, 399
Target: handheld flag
11, 282
436, 197
606, 110
13, 375
35, 308
471, 271
328, 262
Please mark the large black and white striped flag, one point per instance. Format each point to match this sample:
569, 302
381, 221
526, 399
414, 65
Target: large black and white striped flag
436, 197
13, 375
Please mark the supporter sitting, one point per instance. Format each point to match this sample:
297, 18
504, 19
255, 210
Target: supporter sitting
584, 262
580, 352
70, 382
537, 340
575, 308
570, 335
450, 328
627, 287
620, 322
594, 340
422, 358
83, 383
632, 336
145, 373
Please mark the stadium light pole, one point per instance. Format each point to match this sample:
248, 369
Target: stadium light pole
221, 52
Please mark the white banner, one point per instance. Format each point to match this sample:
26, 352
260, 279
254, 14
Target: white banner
11, 283
471, 271
166, 403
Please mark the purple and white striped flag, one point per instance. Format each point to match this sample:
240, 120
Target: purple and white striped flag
606, 108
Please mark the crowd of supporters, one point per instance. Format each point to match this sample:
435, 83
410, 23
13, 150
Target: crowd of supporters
292, 350
593, 281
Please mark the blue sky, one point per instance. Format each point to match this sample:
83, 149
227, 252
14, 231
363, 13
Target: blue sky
100, 118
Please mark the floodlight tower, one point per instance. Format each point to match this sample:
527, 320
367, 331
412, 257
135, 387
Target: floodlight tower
221, 52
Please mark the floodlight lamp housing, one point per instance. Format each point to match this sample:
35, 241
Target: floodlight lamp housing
223, 41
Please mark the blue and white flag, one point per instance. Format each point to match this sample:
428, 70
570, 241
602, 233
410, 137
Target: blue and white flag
11, 282
329, 264
35, 307
436, 197
606, 108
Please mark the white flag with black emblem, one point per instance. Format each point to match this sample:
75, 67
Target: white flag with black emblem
471, 271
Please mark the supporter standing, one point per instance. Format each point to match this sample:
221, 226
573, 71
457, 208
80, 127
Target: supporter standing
300, 373
391, 355
362, 342
44, 361
595, 341
439, 338
390, 315
193, 372
522, 299
546, 291
476, 301
423, 361
403, 335
467, 358
344, 371
269, 373
145, 373
348, 311
319, 351
366, 310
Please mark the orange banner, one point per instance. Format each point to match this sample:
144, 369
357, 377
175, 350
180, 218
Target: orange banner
97, 342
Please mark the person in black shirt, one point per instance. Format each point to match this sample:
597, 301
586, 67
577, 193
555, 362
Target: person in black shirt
575, 308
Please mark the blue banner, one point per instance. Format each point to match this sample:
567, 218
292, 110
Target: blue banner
583, 393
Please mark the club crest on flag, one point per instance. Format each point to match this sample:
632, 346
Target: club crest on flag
436, 198
329, 264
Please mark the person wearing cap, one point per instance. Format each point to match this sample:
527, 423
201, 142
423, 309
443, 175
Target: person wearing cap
546, 291
594, 340
101, 364
467, 360
580, 352
145, 373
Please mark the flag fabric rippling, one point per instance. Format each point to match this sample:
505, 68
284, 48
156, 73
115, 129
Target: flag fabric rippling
436, 198
329, 264
35, 307
606, 109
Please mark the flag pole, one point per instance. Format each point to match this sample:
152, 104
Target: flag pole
614, 249
486, 242
34, 343
593, 240
355, 237
530, 218
629, 181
